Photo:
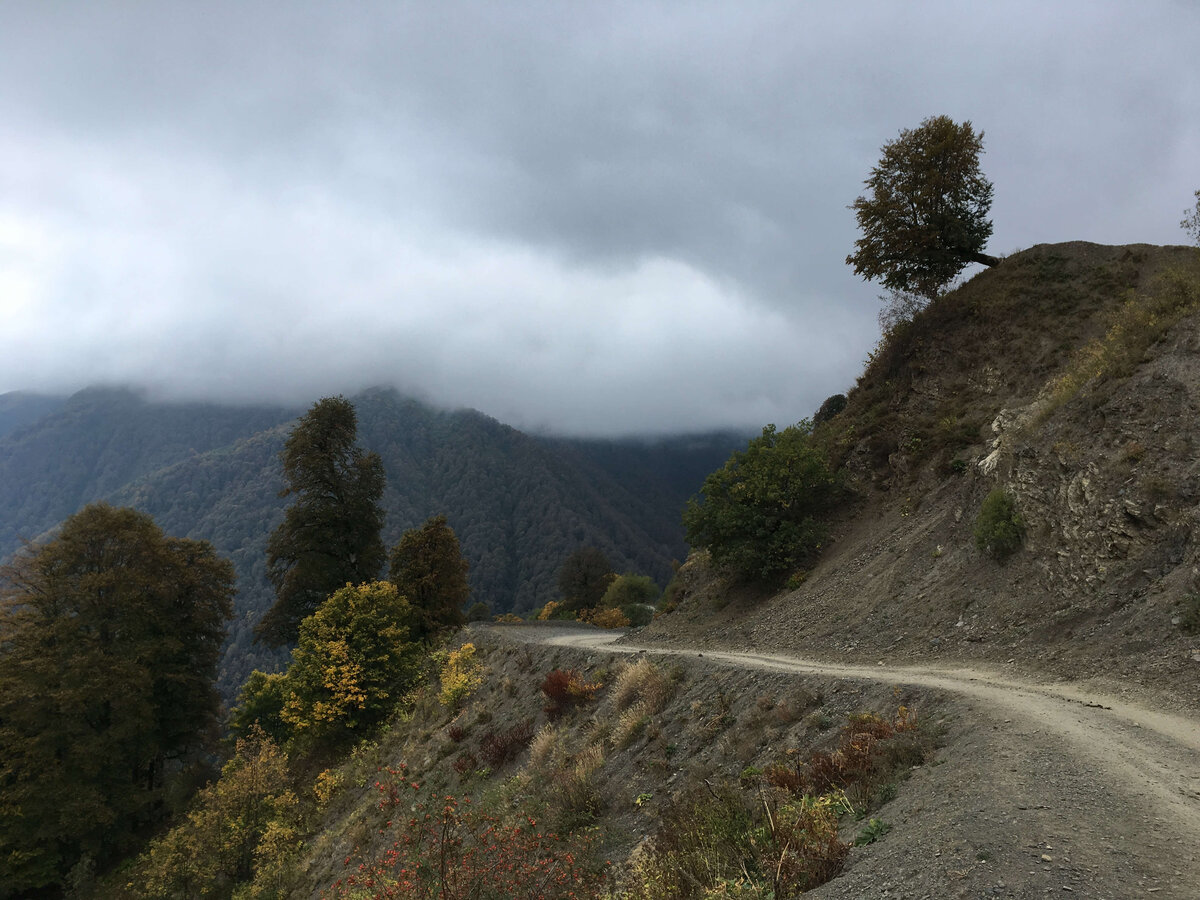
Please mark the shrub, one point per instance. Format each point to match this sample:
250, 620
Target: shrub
830, 408
461, 674
454, 851
326, 785
805, 850
465, 763
548, 610
673, 593
869, 749
999, 528
759, 515
479, 612
566, 689
629, 589
607, 618
704, 840
638, 614
500, 747
219, 840
715, 844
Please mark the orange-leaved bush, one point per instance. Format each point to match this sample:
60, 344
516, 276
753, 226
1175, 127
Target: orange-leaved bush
565, 689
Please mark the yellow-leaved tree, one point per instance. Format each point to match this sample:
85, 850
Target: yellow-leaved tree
353, 664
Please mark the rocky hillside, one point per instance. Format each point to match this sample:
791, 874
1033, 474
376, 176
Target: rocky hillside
1069, 378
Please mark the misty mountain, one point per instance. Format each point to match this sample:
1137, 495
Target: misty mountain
19, 408
518, 503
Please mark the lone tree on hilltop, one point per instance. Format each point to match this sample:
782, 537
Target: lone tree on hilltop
330, 536
427, 568
925, 216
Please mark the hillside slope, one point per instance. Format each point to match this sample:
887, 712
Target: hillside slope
1069, 377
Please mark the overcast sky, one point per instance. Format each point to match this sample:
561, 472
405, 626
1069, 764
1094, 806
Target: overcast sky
599, 218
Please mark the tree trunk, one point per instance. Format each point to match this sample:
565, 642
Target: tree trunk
982, 258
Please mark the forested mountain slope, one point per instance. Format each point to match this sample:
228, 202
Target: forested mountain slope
519, 504
20, 408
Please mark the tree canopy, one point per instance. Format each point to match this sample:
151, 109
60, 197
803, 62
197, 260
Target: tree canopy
428, 569
584, 577
112, 632
353, 663
924, 217
759, 514
330, 535
1191, 220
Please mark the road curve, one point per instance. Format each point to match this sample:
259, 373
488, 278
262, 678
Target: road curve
1145, 753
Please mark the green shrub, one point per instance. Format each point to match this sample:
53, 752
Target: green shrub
999, 528
638, 614
830, 408
628, 589
760, 513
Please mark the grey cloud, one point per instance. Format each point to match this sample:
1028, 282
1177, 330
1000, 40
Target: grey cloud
599, 218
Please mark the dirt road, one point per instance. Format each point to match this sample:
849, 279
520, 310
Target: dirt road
1043, 790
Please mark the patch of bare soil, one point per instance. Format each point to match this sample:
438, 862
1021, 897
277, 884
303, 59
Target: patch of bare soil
1041, 789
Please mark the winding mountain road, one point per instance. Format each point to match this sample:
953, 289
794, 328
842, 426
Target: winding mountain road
1045, 790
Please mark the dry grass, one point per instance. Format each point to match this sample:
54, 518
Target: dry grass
546, 747
630, 723
1133, 328
641, 682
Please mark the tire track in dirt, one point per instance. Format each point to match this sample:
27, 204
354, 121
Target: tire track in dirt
1146, 754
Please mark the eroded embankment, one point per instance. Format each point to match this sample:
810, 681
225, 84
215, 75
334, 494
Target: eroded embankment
1051, 786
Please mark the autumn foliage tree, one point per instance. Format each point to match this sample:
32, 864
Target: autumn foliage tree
330, 535
216, 844
353, 664
427, 568
111, 634
924, 217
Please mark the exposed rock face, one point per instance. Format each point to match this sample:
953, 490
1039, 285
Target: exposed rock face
1106, 477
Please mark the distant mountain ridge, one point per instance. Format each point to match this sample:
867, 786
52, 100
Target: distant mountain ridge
519, 504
